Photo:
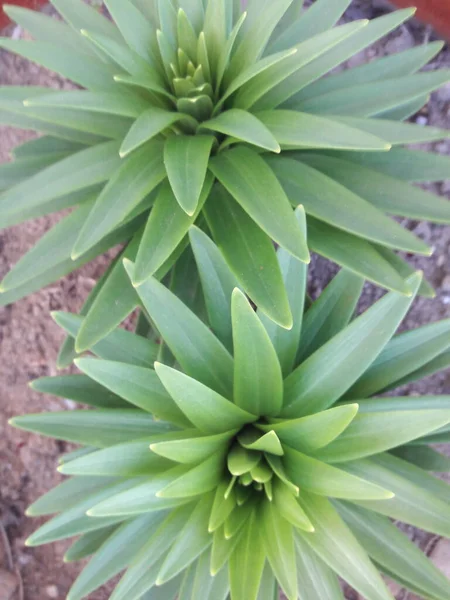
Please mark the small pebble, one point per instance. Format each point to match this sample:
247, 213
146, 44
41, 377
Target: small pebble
421, 120
52, 591
441, 260
445, 285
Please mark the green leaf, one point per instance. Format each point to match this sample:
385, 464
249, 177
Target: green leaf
80, 15
79, 171
355, 254
88, 544
372, 433
407, 165
289, 508
137, 176
316, 431
388, 67
253, 184
246, 563
318, 382
328, 201
68, 62
126, 105
12, 173
278, 541
167, 216
382, 191
223, 506
186, 161
415, 502
186, 35
218, 283
392, 549
111, 559
122, 460
330, 313
335, 544
193, 539
191, 449
198, 351
215, 27
142, 574
146, 127
440, 363
98, 428
79, 388
292, 90
325, 480
403, 355
321, 16
294, 129
424, 457
315, 578
263, 89
242, 125
373, 98
226, 50
252, 439
198, 480
120, 345
250, 255
205, 408
133, 26
68, 494
258, 381
295, 274
46, 145
138, 385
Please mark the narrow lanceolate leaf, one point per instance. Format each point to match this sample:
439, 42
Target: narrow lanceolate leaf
149, 124
416, 501
330, 313
167, 216
322, 479
111, 559
278, 540
120, 345
138, 385
330, 202
137, 176
258, 382
316, 431
336, 545
88, 544
207, 410
402, 355
294, 129
315, 577
424, 457
246, 563
250, 255
81, 170
372, 433
392, 549
218, 283
241, 125
186, 161
332, 369
79, 388
99, 428
289, 508
295, 274
194, 449
252, 183
133, 26
195, 347
198, 480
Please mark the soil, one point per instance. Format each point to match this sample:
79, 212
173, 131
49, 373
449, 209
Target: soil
29, 339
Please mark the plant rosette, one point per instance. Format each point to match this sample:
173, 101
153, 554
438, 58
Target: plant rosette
196, 112
251, 458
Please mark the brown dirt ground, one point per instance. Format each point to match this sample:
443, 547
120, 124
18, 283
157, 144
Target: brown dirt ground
29, 341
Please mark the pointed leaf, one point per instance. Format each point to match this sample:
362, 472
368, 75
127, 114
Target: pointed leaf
268, 442
319, 381
222, 507
88, 544
424, 457
322, 479
289, 508
192, 449
250, 256
197, 350
133, 26
149, 124
253, 184
314, 575
258, 379
198, 480
205, 408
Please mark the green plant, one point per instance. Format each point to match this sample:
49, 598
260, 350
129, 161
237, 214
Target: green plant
197, 112
255, 453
